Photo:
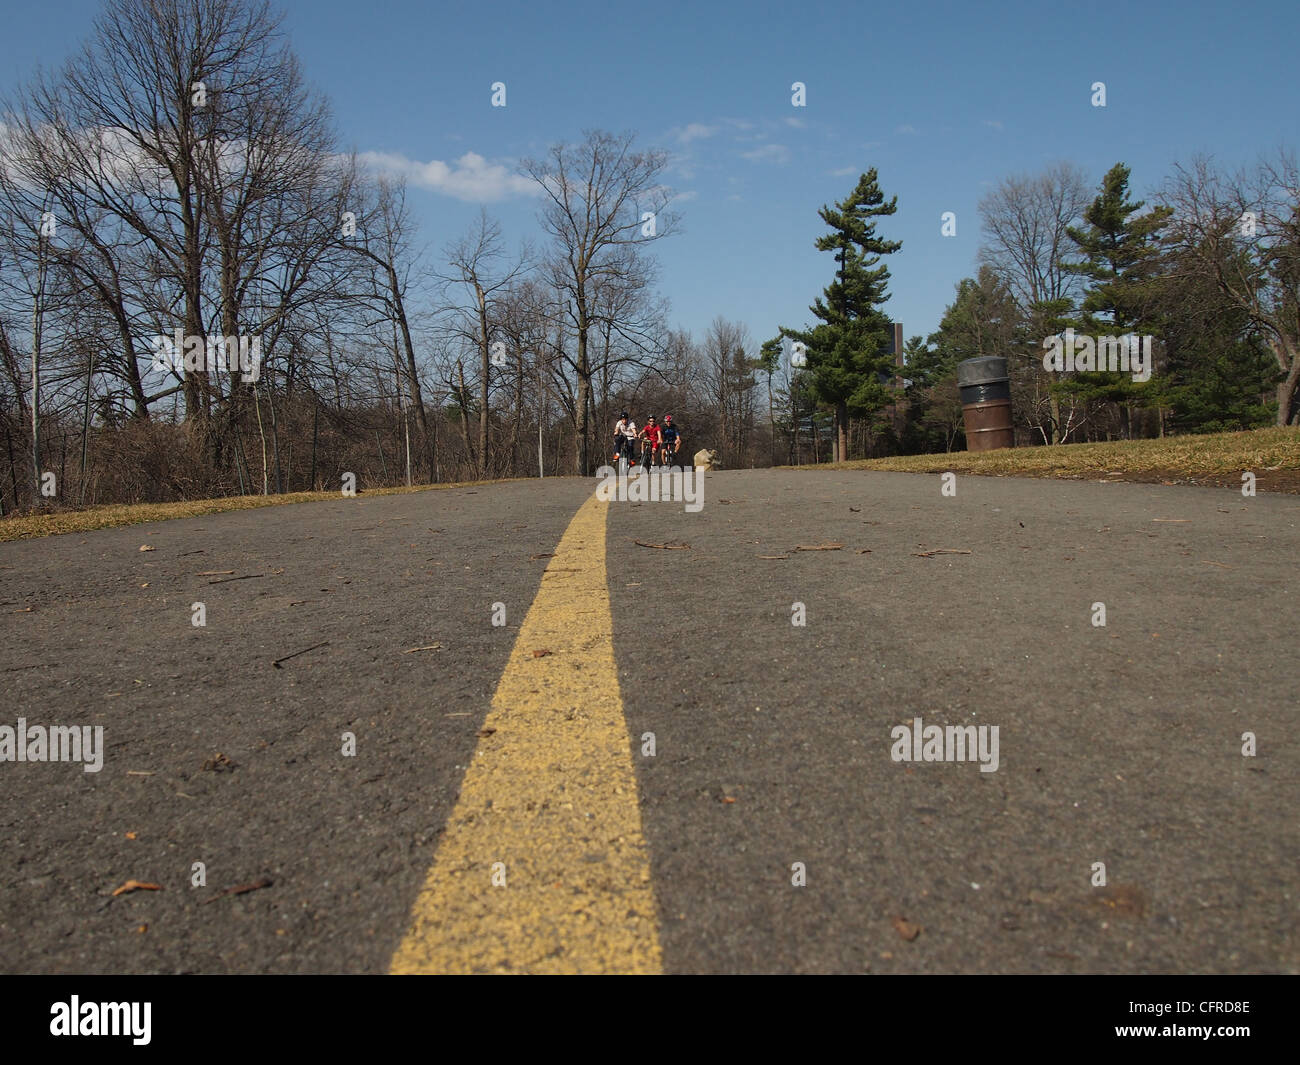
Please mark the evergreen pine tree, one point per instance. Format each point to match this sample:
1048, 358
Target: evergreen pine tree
847, 365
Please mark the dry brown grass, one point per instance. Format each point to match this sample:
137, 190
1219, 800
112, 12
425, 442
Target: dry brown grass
1273, 455
33, 526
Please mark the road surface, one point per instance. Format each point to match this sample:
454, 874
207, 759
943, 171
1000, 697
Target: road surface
647, 764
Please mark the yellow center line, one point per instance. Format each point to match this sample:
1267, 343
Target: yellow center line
543, 867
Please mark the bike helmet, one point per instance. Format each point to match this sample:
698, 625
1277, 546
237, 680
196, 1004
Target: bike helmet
625, 415
668, 417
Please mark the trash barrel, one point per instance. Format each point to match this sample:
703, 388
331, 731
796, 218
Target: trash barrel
986, 403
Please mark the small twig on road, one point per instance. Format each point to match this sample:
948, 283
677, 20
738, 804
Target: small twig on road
245, 577
286, 658
240, 890
430, 647
215, 573
940, 551
663, 547
819, 547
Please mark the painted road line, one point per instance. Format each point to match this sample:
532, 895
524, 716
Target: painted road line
551, 795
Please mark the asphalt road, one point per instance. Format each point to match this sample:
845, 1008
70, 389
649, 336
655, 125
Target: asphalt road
1119, 744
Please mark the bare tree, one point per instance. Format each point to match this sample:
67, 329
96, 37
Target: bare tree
475, 262
384, 241
1024, 221
1241, 232
603, 203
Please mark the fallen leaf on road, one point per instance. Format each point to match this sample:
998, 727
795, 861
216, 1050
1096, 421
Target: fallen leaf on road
542, 653
218, 763
1126, 900
148, 547
136, 885
486, 731
143, 928
906, 928
130, 835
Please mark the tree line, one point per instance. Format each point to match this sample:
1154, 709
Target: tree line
1210, 274
177, 178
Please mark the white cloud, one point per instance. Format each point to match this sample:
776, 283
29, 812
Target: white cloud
471, 177
844, 171
695, 131
769, 153
797, 123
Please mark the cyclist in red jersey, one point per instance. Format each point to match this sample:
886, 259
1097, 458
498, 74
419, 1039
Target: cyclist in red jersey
650, 439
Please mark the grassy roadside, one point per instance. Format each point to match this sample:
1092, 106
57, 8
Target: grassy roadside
111, 515
1219, 459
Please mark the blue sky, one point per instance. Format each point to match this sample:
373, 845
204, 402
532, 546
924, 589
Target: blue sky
944, 99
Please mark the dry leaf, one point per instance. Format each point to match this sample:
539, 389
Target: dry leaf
136, 885
542, 653
148, 547
486, 731
906, 928
130, 835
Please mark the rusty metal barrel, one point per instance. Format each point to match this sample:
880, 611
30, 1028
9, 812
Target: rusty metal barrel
986, 403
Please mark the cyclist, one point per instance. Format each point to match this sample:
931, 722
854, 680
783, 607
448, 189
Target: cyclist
649, 442
671, 441
624, 434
